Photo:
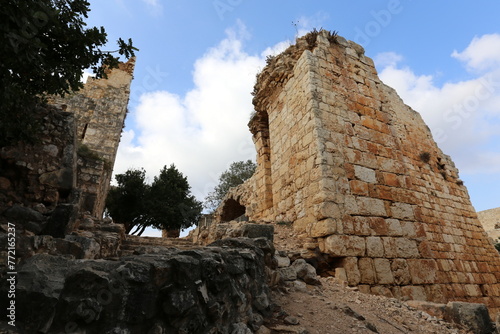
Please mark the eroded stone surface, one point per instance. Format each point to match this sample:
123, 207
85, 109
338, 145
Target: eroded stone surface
342, 157
214, 289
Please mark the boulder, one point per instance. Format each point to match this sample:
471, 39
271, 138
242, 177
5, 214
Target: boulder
28, 218
473, 316
306, 272
258, 231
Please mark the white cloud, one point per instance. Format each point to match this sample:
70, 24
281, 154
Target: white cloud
482, 54
463, 116
307, 23
203, 131
386, 59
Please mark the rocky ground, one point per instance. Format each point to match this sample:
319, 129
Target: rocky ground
332, 308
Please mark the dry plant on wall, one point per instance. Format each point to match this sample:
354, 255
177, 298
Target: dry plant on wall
425, 157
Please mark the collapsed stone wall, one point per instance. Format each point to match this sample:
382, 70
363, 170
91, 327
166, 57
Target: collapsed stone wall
100, 108
218, 289
43, 172
341, 156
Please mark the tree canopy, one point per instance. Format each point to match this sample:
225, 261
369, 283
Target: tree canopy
126, 202
45, 48
171, 204
238, 172
166, 204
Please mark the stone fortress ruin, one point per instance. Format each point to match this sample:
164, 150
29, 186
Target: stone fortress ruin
341, 159
358, 173
99, 109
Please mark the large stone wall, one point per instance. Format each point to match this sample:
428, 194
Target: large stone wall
45, 171
100, 109
341, 156
490, 219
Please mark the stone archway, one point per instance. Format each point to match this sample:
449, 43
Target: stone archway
231, 210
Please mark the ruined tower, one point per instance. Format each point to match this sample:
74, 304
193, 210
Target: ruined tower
100, 108
358, 173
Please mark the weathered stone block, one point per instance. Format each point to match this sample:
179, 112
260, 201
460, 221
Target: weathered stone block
365, 174
374, 247
378, 226
366, 270
323, 228
383, 271
326, 210
258, 231
391, 179
341, 274
345, 245
413, 292
408, 229
61, 179
381, 290
401, 272
359, 187
371, 206
406, 248
390, 250
422, 271
352, 270
473, 290
402, 211
394, 227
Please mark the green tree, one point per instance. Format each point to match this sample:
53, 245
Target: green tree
126, 202
171, 205
238, 172
45, 46
166, 204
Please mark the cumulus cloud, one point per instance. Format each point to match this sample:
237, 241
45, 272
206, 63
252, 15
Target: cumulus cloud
482, 54
463, 116
203, 131
387, 59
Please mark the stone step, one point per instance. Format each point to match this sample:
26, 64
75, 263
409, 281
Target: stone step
155, 241
133, 244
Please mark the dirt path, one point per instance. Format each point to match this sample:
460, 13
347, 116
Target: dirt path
333, 308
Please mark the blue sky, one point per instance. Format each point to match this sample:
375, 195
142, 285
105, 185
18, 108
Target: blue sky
190, 98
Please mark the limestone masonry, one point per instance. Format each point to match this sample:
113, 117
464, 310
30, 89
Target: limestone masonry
358, 173
490, 219
100, 109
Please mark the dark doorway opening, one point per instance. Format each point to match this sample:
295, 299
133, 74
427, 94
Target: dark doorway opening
231, 210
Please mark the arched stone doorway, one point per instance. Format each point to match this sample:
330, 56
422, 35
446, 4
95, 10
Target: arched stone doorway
231, 210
